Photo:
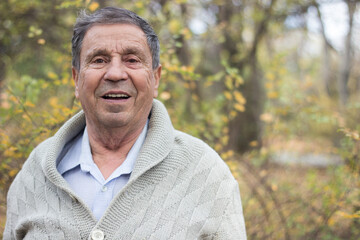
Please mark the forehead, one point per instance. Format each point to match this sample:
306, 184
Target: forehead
114, 37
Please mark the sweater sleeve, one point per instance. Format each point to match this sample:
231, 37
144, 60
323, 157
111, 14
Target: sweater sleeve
225, 219
232, 225
11, 218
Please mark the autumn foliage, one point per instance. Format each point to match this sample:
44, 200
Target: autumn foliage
231, 82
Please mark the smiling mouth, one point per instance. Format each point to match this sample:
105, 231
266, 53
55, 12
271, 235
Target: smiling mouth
116, 96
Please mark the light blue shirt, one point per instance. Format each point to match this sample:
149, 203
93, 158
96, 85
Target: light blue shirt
84, 177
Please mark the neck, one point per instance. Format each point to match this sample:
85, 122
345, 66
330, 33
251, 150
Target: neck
109, 147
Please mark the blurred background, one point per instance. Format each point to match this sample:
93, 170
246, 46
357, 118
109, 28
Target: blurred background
272, 85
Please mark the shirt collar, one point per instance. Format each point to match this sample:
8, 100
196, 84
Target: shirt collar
72, 152
79, 153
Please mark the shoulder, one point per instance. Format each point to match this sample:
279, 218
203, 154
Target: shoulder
44, 155
192, 144
200, 154
32, 166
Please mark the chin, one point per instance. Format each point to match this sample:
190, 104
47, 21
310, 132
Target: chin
113, 123
112, 120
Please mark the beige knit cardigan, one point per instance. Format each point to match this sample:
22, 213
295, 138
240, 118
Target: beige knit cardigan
179, 189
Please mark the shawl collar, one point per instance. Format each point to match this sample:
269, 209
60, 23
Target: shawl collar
157, 145
158, 142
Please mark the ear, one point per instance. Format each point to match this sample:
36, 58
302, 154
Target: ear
75, 76
157, 76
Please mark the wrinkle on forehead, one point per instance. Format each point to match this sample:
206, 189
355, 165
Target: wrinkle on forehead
132, 41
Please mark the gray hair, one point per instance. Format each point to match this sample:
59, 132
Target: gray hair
111, 15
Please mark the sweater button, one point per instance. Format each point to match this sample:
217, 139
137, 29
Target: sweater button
97, 235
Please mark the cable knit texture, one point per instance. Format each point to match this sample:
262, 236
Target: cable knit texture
179, 189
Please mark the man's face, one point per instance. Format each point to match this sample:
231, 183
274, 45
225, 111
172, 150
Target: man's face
116, 82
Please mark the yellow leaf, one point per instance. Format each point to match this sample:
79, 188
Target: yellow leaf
233, 114
174, 26
232, 165
228, 95
26, 117
225, 119
225, 139
65, 81
269, 85
331, 222
187, 33
267, 117
10, 152
139, 4
13, 172
44, 85
349, 216
273, 95
165, 96
190, 69
53, 101
225, 130
239, 81
93, 6
239, 107
41, 41
218, 147
229, 82
18, 111
52, 75
29, 104
253, 144
239, 97
270, 76
274, 187
13, 98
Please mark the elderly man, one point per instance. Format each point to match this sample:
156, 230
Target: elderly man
118, 169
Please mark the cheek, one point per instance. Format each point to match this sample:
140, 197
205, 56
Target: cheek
143, 82
88, 81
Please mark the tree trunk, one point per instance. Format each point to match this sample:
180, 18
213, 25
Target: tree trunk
246, 126
346, 61
326, 64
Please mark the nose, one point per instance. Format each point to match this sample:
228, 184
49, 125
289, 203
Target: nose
116, 71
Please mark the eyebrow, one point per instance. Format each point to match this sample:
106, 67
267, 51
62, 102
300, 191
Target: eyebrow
135, 51
96, 52
104, 52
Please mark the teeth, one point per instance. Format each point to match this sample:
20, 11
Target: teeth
116, 95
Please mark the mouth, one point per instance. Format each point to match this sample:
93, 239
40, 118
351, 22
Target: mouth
115, 96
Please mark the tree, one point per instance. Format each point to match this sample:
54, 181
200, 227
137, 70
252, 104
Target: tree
346, 59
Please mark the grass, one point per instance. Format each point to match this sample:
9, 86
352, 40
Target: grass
296, 202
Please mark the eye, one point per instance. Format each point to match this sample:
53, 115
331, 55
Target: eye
98, 60
132, 60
